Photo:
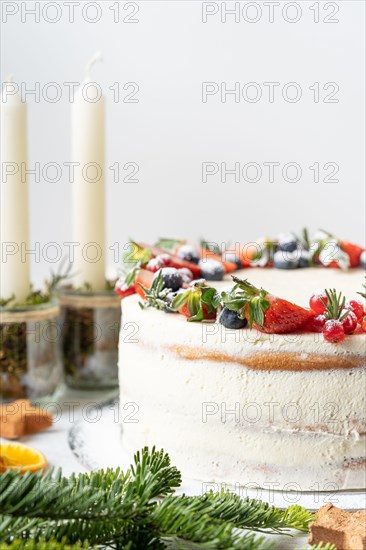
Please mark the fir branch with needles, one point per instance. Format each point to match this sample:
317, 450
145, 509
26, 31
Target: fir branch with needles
132, 510
44, 545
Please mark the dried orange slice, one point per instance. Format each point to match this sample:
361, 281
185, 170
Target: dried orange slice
15, 456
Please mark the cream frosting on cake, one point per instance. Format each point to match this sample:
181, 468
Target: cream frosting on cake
244, 407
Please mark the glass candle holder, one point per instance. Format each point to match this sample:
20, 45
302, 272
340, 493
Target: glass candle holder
90, 324
30, 357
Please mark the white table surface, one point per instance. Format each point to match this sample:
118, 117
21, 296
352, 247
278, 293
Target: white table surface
70, 406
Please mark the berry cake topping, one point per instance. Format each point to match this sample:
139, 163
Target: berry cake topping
210, 261
154, 290
171, 276
318, 302
266, 312
336, 317
232, 319
283, 259
245, 305
198, 302
189, 253
212, 270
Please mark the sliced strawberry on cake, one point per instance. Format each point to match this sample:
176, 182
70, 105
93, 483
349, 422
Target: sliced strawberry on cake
266, 312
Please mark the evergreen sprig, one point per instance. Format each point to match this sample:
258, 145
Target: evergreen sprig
157, 295
42, 545
131, 510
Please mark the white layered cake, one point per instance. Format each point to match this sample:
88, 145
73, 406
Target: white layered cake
244, 407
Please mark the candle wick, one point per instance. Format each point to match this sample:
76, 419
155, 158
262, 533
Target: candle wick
96, 57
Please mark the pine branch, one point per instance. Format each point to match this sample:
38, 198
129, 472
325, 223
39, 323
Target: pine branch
132, 510
42, 545
243, 514
91, 496
199, 521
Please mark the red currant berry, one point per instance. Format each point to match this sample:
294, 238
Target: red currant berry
316, 303
154, 264
333, 331
318, 323
350, 323
355, 306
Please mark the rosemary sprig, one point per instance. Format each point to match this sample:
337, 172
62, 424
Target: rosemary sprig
210, 246
334, 305
6, 301
157, 295
37, 297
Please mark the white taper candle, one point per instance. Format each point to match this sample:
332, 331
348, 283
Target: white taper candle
14, 227
88, 192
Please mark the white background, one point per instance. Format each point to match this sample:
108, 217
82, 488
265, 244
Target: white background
170, 132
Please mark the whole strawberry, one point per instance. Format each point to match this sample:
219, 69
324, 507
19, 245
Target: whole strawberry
266, 312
